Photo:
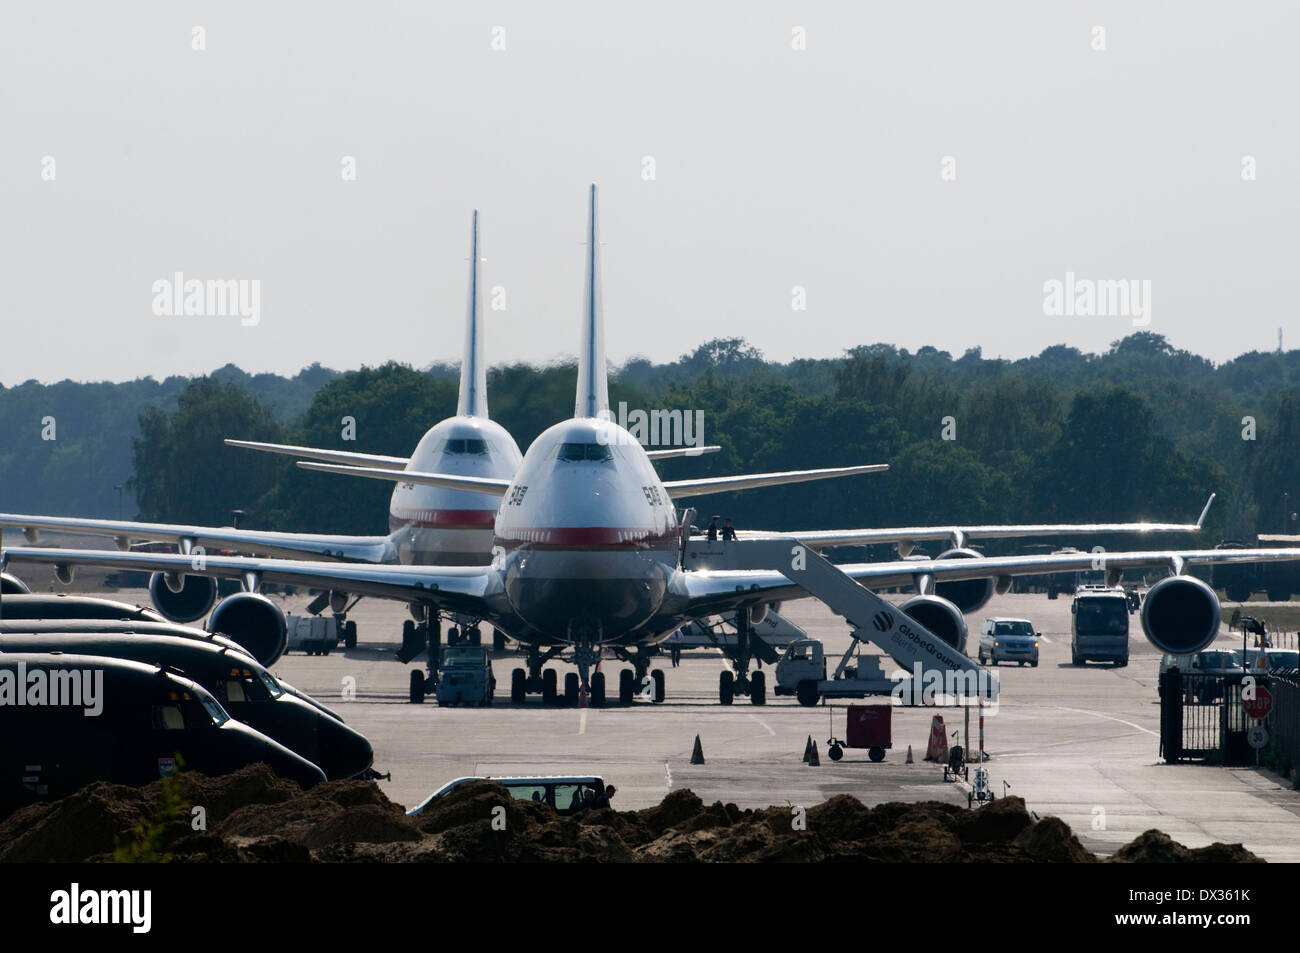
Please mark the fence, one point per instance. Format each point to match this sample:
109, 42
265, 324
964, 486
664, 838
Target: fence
1202, 718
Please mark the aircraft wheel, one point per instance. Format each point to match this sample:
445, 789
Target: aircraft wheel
549, 680
571, 688
626, 686
518, 686
726, 687
835, 752
758, 688
658, 677
453, 636
417, 687
598, 690
1238, 592
475, 636
350, 634
498, 640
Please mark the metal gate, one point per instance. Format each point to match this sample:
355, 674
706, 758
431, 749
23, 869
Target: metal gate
1201, 717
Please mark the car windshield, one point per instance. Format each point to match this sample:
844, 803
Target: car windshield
1102, 616
572, 452
1012, 628
1217, 660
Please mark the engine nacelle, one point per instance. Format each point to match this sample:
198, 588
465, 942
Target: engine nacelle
968, 595
190, 602
1180, 615
939, 616
11, 585
255, 622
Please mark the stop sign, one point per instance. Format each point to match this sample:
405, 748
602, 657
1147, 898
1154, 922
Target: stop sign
1260, 705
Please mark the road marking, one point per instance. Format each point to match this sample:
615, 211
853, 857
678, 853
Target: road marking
764, 724
1097, 714
582, 722
669, 775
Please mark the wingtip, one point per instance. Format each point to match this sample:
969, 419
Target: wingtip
1200, 522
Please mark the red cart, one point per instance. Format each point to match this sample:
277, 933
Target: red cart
869, 726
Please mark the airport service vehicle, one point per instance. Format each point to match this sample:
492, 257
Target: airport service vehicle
243, 687
591, 558
1274, 660
150, 723
801, 672
564, 793
1099, 625
1008, 640
867, 726
311, 634
464, 677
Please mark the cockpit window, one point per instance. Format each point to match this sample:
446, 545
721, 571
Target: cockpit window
269, 682
573, 452
214, 710
466, 446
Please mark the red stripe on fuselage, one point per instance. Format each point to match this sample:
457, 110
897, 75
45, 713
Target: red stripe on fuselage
447, 519
587, 537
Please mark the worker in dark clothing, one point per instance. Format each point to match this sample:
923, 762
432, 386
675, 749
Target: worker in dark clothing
603, 798
712, 533
728, 531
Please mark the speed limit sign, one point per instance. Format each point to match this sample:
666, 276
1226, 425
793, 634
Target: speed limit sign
1257, 737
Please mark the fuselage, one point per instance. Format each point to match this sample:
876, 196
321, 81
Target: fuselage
440, 527
586, 538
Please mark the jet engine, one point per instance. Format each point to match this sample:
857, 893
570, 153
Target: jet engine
255, 622
12, 585
968, 595
182, 598
1180, 615
939, 616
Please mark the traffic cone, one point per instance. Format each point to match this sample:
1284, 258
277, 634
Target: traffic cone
937, 749
697, 756
813, 760
807, 749
909, 755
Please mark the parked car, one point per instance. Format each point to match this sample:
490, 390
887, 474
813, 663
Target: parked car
1008, 640
565, 793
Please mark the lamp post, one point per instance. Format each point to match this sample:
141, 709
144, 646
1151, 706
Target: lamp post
119, 487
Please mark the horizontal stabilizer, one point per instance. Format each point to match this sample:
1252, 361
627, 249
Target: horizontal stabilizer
681, 488
447, 480
680, 452
330, 456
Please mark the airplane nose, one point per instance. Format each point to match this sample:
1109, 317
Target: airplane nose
341, 751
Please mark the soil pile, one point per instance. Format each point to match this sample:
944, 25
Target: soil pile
253, 816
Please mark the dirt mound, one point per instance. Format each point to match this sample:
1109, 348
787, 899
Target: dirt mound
1157, 847
254, 817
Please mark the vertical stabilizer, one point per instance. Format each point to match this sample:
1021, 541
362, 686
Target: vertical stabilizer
593, 388
473, 368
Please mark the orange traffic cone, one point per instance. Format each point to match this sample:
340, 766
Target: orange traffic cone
697, 756
909, 755
937, 749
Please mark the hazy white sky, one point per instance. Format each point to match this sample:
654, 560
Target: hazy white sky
775, 167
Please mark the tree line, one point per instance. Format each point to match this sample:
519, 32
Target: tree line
1142, 431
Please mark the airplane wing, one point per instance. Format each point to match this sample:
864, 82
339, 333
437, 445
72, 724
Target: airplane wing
450, 481
713, 591
370, 549
681, 452
746, 481
330, 456
456, 588
958, 536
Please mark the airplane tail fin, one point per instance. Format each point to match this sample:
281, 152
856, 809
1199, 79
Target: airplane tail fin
593, 385
473, 370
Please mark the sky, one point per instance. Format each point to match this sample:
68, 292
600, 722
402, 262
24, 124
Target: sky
809, 176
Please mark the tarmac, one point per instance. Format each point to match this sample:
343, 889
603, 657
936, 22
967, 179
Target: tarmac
1078, 743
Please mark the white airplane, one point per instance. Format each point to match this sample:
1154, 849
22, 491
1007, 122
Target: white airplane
429, 525
588, 555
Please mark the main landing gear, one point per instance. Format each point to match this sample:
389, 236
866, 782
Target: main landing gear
424, 634
634, 684
741, 682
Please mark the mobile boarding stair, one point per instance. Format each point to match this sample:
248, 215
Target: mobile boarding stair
914, 647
